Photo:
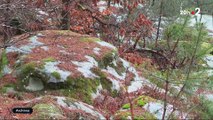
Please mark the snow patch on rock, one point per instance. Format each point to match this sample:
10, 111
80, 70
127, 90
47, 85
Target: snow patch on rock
79, 105
135, 85
6, 70
120, 18
209, 96
115, 84
113, 72
114, 63
40, 35
85, 67
45, 48
26, 49
105, 44
43, 13
138, 81
99, 88
156, 108
60, 101
96, 50
51, 67
125, 63
88, 109
209, 60
102, 5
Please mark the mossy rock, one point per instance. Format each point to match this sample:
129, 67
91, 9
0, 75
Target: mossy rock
66, 33
32, 78
81, 88
126, 106
89, 39
120, 67
139, 102
29, 74
46, 111
49, 59
146, 98
145, 116
105, 82
207, 47
7, 87
3, 62
107, 59
56, 75
122, 115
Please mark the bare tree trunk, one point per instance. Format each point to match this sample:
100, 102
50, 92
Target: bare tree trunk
65, 23
136, 41
144, 42
128, 96
159, 23
165, 98
6, 31
108, 3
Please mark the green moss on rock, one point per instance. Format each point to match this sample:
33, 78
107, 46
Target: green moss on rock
146, 99
81, 88
3, 62
56, 75
6, 87
105, 82
139, 102
122, 115
120, 68
27, 69
107, 59
29, 72
49, 59
46, 111
89, 39
126, 106
145, 116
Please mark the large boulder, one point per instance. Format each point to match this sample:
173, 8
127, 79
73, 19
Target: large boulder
50, 107
72, 64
